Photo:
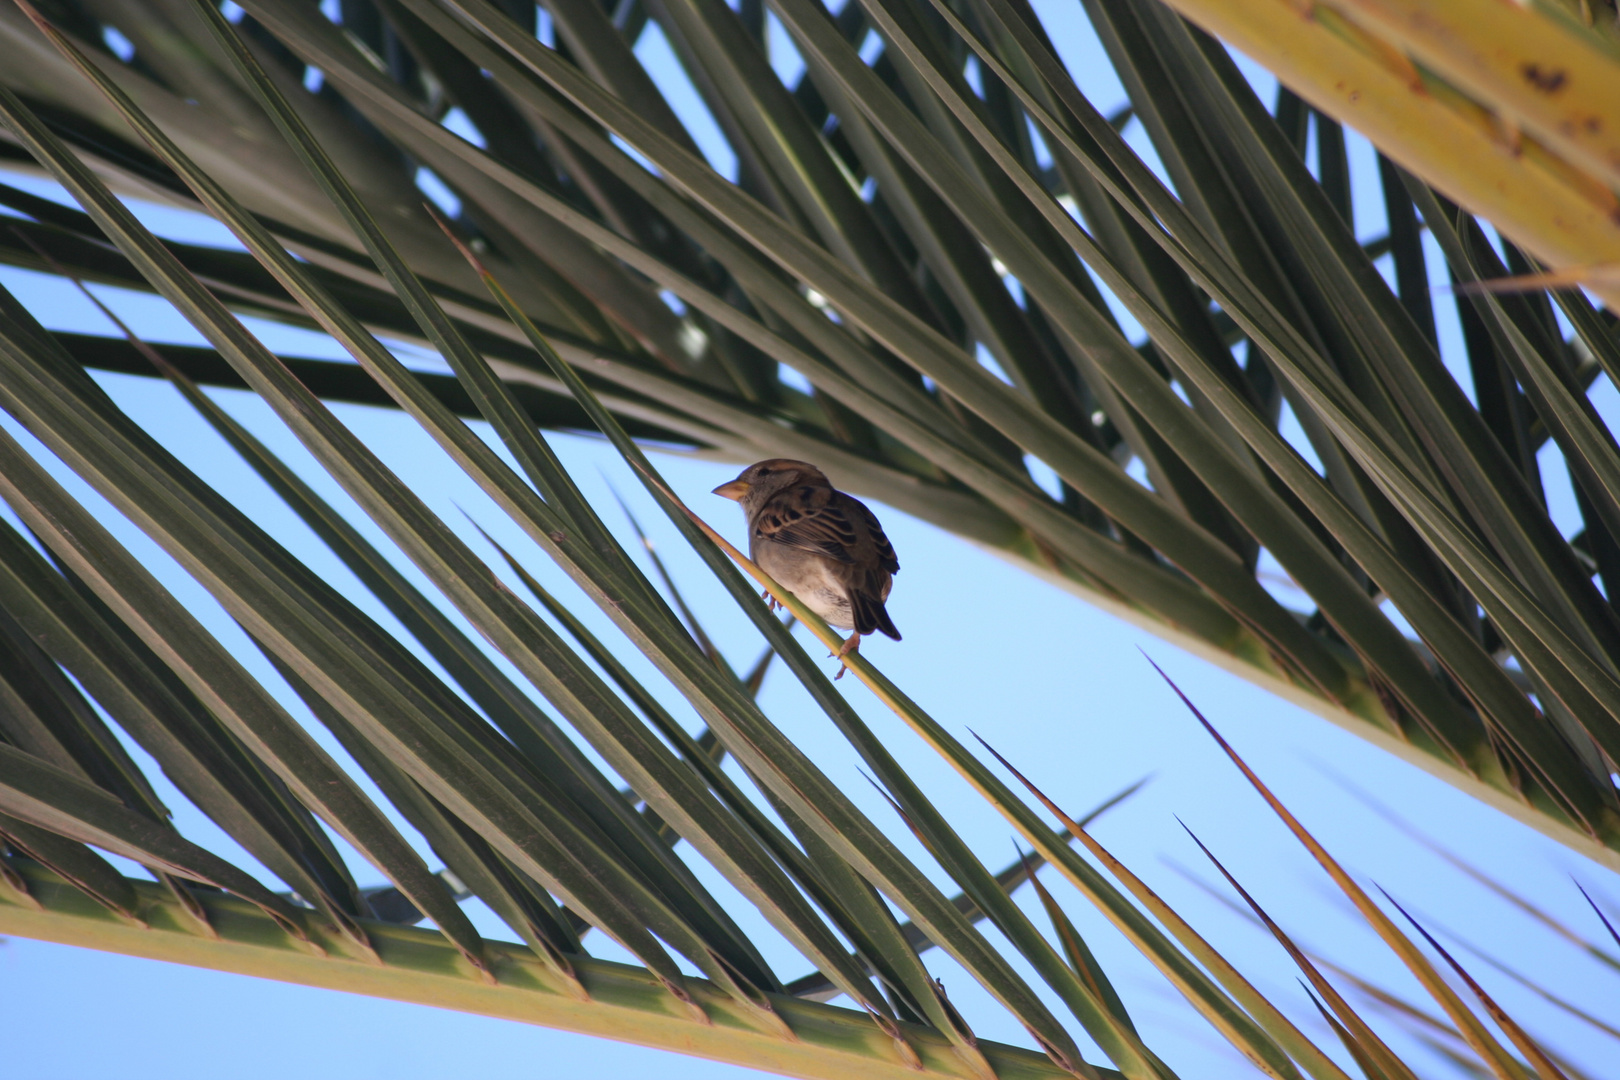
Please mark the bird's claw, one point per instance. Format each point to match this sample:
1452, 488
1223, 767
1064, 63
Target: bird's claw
851, 643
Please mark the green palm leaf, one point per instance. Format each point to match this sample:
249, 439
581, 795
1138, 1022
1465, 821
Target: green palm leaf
928, 275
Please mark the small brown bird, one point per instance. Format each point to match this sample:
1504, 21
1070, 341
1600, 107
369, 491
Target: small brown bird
825, 547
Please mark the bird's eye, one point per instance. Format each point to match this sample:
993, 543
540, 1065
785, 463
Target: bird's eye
766, 472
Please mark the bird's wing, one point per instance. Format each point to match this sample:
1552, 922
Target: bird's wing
880, 541
811, 519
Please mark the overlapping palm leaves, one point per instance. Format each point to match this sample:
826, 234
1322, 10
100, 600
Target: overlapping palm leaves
895, 222
878, 303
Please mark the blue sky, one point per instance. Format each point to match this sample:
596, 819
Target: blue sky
1058, 686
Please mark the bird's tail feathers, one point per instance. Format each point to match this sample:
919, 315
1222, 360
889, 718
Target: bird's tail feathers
871, 616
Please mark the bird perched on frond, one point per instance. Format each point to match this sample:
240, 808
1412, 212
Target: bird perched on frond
823, 546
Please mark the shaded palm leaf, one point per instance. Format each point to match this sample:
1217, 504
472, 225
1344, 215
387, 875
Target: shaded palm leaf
892, 221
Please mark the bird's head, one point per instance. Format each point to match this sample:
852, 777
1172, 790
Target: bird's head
763, 479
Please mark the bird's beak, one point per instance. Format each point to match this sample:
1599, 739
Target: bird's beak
733, 489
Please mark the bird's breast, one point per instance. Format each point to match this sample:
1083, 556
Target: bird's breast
813, 578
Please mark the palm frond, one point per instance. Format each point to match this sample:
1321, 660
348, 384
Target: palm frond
941, 272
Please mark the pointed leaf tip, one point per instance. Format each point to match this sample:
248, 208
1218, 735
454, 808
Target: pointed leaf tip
1544, 1066
1604, 919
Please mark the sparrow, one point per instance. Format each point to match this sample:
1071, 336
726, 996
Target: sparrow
823, 546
